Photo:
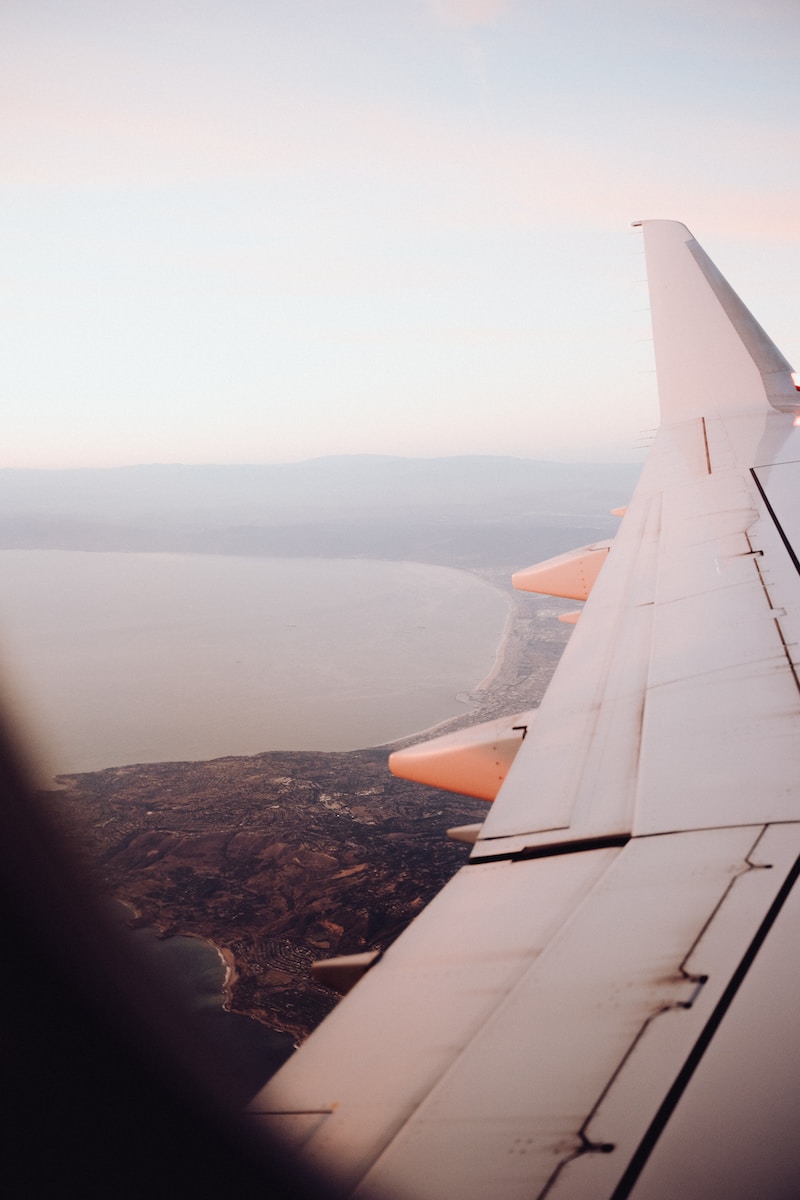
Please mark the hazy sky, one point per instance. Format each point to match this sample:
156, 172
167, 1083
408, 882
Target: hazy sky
263, 230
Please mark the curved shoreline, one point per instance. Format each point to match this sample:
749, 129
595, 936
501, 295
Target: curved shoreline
502, 647
231, 974
488, 699
136, 921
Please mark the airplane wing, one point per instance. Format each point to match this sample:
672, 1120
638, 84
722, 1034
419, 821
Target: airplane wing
601, 1002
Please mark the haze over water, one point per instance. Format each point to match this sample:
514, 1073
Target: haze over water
126, 658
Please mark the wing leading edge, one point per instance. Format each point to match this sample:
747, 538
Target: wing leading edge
544, 1025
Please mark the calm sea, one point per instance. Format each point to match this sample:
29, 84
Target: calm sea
125, 658
194, 973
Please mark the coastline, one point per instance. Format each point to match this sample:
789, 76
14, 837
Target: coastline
231, 974
516, 681
137, 922
500, 652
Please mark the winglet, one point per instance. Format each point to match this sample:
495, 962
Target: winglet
712, 356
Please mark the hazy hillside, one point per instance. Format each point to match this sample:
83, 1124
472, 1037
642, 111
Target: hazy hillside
466, 510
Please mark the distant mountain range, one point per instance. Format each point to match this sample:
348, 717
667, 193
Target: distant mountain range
462, 511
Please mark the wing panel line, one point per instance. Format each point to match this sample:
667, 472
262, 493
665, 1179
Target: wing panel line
775, 520
673, 1096
550, 849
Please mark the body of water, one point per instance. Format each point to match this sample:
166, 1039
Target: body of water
194, 973
125, 658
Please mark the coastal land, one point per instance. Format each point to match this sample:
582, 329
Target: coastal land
283, 858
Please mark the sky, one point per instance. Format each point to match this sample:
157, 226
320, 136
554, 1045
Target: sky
267, 230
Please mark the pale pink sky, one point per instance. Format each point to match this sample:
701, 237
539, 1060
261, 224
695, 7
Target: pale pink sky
260, 232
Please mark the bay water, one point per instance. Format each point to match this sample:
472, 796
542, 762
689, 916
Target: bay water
126, 658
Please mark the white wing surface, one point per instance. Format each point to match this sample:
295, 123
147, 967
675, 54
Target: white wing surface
602, 1002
